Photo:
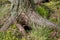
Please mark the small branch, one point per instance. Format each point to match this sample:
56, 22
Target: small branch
21, 29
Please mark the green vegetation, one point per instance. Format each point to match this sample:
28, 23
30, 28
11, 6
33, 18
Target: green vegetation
55, 7
44, 12
35, 34
10, 34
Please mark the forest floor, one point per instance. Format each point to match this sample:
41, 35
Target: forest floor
50, 11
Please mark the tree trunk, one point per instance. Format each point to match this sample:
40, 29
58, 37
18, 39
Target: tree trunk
23, 12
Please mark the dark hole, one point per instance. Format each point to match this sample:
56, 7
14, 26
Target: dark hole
27, 28
45, 1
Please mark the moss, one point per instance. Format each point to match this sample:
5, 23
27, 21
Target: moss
44, 12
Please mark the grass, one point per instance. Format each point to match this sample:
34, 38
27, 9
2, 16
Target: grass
10, 34
41, 33
55, 7
35, 34
43, 11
